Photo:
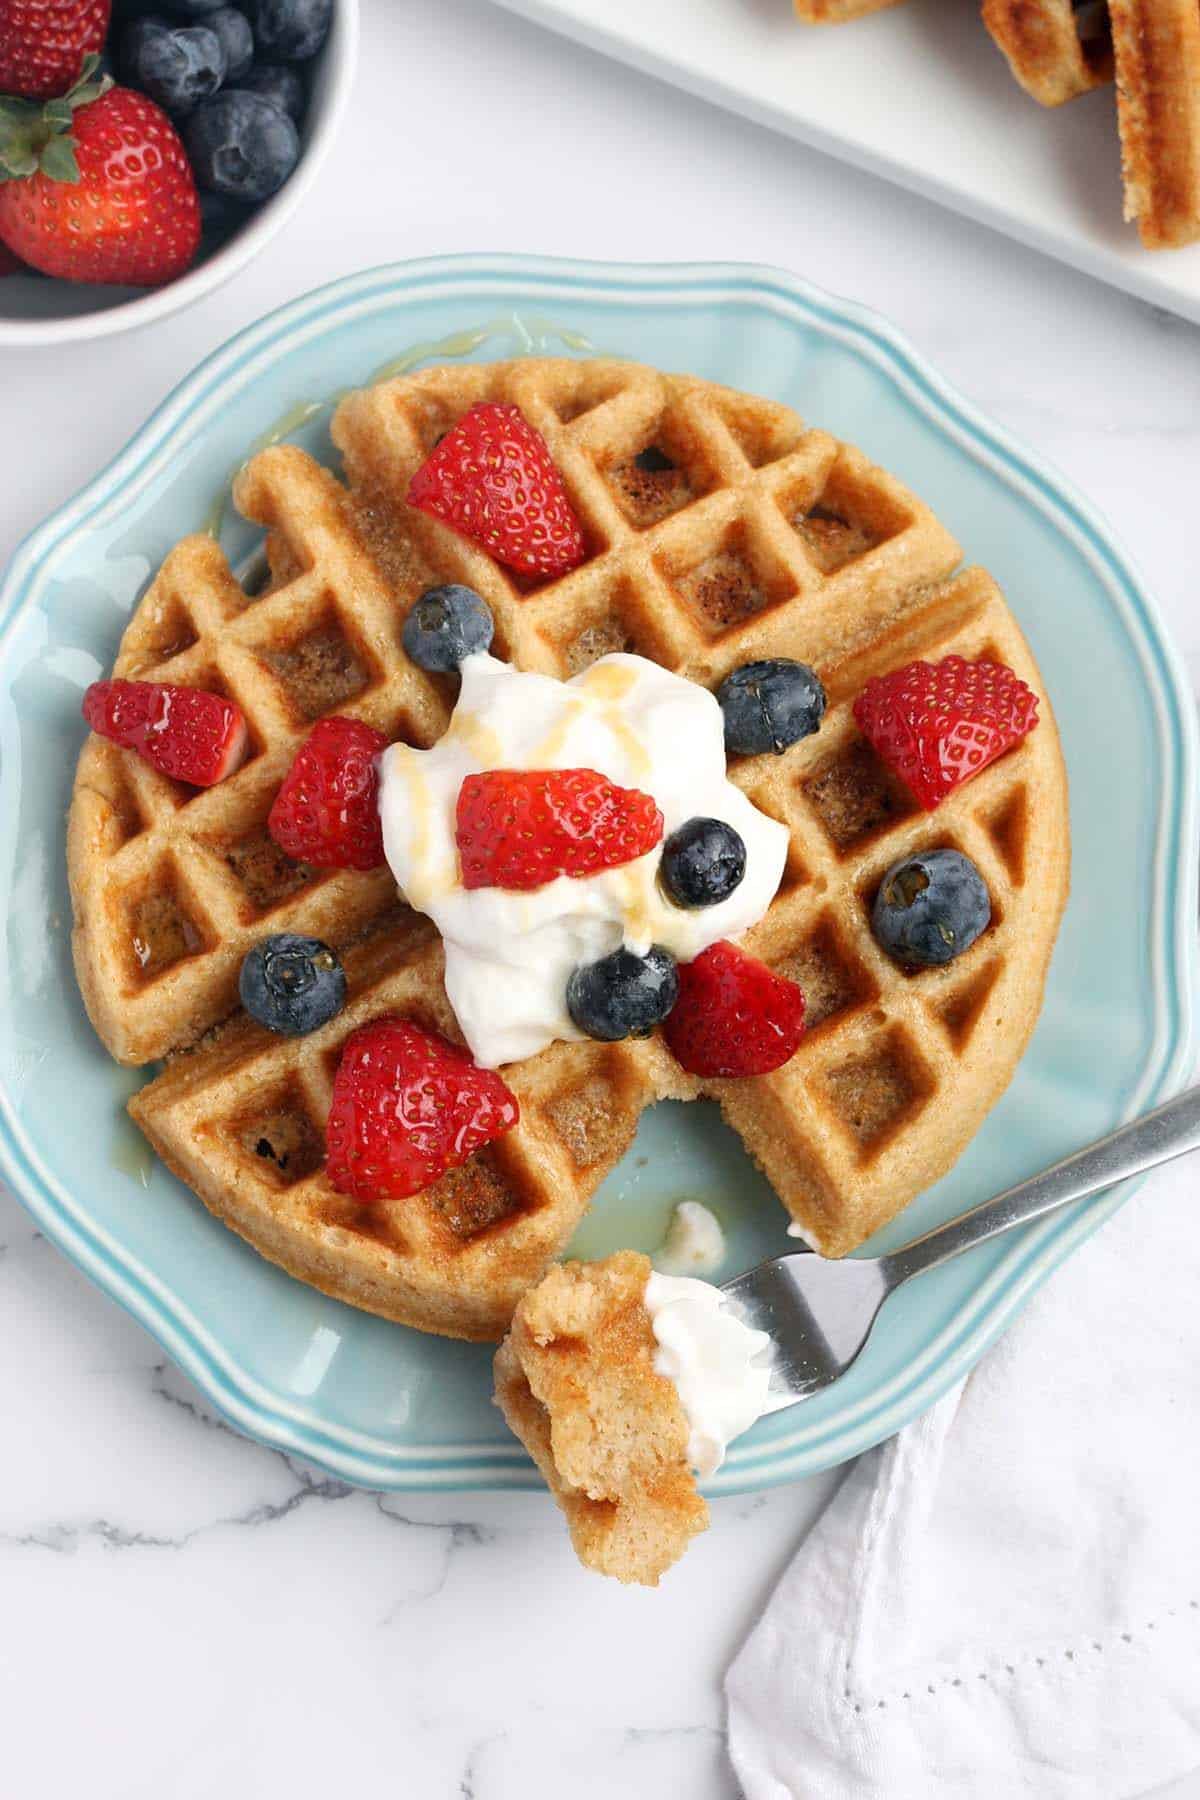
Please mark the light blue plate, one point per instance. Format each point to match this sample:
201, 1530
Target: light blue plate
383, 1406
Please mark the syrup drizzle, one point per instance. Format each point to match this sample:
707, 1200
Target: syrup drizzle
531, 337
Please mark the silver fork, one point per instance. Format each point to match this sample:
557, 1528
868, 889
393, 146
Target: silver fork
820, 1312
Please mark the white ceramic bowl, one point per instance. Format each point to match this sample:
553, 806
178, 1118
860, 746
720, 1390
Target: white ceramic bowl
34, 310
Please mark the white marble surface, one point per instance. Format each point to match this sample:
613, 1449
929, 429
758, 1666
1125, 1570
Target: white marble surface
187, 1614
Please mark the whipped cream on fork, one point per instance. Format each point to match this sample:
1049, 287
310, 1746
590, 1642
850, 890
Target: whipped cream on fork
721, 1367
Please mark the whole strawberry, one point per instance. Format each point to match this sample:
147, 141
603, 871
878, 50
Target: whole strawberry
938, 724
408, 1105
519, 828
43, 44
734, 1016
97, 187
493, 480
327, 811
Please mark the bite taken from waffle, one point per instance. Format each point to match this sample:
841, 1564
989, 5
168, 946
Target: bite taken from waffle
576, 1382
624, 1384
701, 766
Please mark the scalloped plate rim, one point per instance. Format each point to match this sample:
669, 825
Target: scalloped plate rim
355, 1455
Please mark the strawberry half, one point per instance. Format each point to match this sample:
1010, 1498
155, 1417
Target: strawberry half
407, 1106
519, 828
493, 480
43, 44
327, 810
937, 724
734, 1016
183, 732
97, 187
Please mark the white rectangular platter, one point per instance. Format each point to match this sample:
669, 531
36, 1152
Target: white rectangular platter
918, 94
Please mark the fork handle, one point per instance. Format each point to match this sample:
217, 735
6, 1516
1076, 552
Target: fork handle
1171, 1130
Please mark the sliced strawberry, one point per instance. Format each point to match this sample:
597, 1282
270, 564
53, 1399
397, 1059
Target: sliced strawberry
493, 480
43, 44
519, 828
734, 1016
407, 1106
184, 732
327, 811
937, 724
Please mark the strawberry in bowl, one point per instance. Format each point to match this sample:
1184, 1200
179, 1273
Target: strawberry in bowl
199, 115
96, 187
44, 44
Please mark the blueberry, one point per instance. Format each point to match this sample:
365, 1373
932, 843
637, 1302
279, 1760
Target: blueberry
702, 862
193, 9
623, 995
136, 34
237, 41
769, 705
176, 65
290, 30
220, 217
446, 624
930, 908
241, 145
292, 984
281, 85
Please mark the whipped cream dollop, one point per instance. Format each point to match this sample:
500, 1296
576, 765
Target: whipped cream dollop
694, 1244
721, 1367
509, 955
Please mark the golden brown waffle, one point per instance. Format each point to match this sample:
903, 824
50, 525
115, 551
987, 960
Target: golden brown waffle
575, 1379
898, 1071
241, 1120
761, 538
171, 886
1056, 50
837, 12
1157, 46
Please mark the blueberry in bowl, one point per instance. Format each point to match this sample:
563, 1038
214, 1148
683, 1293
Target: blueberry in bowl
183, 243
290, 30
232, 28
176, 65
280, 83
241, 146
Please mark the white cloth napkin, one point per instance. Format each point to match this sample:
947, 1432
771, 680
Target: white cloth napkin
1004, 1600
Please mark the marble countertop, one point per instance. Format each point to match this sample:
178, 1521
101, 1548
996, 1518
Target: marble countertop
188, 1614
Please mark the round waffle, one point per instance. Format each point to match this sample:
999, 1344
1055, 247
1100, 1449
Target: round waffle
747, 535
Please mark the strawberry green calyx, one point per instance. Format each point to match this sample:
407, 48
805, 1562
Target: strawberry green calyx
36, 138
